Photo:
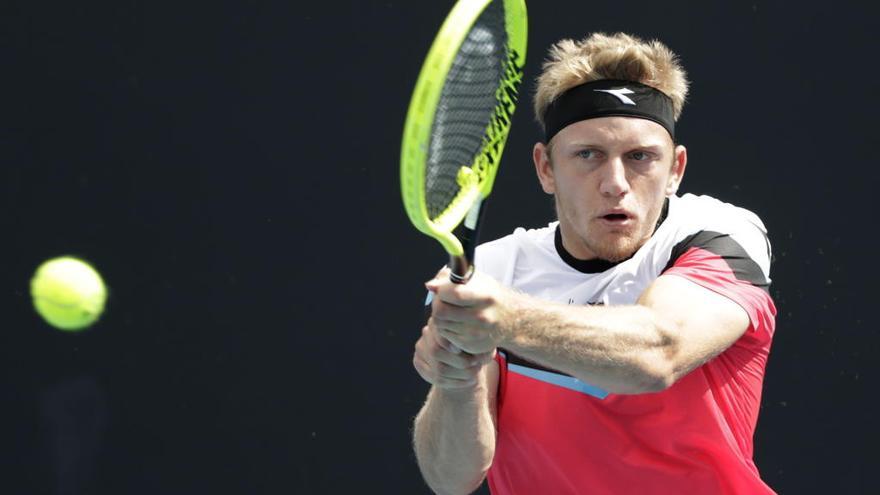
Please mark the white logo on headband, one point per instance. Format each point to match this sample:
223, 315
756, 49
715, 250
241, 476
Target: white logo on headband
620, 94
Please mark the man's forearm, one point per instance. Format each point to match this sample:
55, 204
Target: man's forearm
622, 349
454, 438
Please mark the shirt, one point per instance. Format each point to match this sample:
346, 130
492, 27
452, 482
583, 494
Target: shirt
559, 435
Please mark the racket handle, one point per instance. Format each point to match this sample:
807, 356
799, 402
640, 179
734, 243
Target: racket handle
461, 269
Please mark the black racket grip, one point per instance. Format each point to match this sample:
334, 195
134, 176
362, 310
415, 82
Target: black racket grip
461, 269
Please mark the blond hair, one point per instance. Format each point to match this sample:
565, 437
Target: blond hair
618, 56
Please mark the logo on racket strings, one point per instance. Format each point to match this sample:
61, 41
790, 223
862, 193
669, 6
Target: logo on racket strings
506, 97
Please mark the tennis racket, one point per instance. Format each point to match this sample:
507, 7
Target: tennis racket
458, 121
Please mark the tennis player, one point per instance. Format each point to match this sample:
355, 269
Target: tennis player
622, 348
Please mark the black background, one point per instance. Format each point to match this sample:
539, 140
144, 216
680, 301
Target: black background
231, 168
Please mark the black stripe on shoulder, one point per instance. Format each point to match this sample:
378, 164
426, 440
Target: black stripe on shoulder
741, 264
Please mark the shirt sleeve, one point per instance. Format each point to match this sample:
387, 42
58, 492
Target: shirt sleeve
719, 263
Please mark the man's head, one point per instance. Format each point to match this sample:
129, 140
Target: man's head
610, 159
620, 56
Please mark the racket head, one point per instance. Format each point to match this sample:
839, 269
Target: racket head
460, 115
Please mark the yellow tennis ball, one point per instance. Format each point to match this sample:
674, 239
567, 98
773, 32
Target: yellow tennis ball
68, 293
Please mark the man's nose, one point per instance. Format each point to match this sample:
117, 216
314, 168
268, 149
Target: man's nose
614, 181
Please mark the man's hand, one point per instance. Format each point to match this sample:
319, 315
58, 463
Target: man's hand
442, 364
475, 317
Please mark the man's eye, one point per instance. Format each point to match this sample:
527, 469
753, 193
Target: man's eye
639, 156
587, 154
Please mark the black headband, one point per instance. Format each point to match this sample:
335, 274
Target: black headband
608, 98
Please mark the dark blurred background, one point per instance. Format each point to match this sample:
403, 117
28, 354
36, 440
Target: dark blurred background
231, 169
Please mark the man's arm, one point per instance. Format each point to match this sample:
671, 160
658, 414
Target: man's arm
675, 326
454, 433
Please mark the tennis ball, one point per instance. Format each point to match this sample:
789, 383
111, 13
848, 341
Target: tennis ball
68, 293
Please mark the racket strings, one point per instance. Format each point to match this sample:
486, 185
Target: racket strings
466, 106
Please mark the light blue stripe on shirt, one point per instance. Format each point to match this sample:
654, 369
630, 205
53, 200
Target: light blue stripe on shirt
568, 382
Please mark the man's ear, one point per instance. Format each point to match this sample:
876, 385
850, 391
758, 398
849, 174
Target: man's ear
679, 164
544, 168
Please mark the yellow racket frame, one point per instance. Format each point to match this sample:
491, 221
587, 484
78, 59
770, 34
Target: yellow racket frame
475, 179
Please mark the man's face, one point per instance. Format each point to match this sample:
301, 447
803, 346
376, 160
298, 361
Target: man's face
610, 177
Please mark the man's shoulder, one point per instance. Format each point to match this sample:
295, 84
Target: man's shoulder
694, 215
705, 212
709, 223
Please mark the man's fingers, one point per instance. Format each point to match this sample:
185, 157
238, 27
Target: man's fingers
458, 295
464, 295
443, 375
437, 347
446, 345
451, 313
441, 276
451, 355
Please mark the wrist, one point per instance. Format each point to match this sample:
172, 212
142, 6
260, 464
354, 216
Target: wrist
462, 395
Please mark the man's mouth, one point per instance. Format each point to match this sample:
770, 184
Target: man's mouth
616, 217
